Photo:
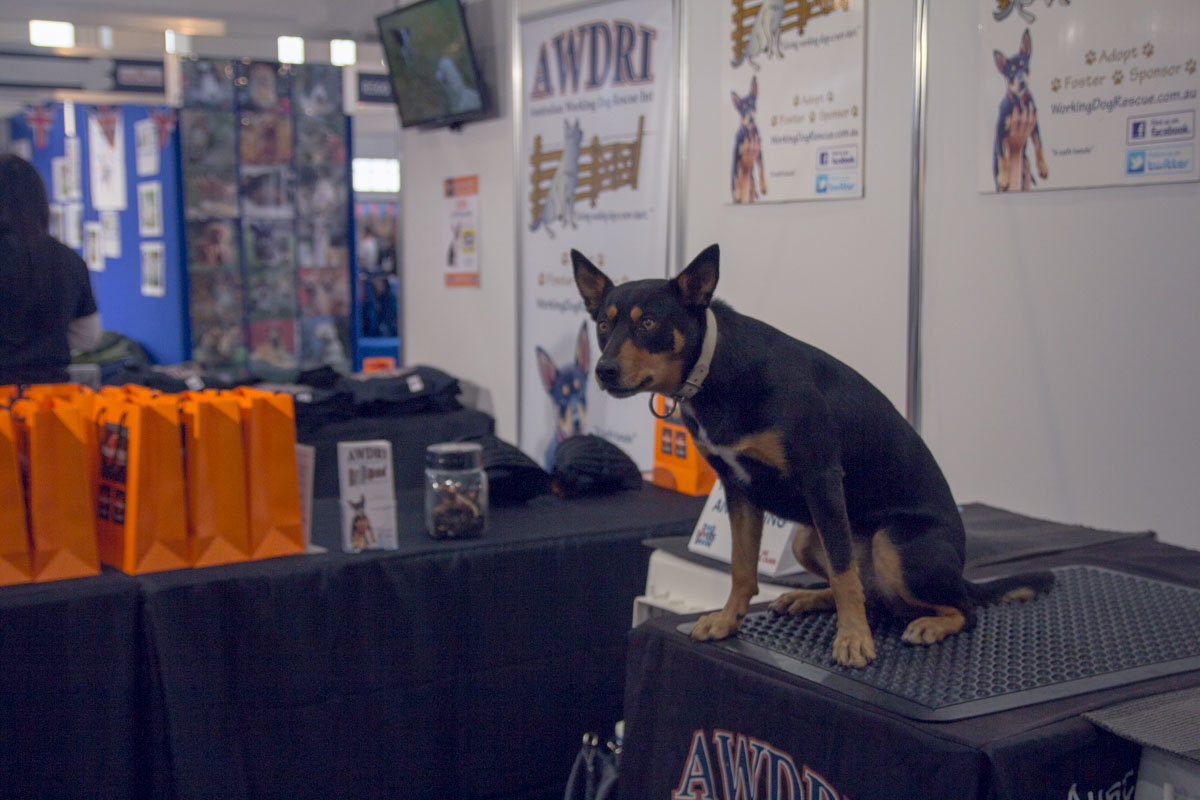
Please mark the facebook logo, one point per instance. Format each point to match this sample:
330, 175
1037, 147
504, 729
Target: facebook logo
1139, 130
823, 159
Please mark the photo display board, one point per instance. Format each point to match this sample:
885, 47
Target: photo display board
267, 210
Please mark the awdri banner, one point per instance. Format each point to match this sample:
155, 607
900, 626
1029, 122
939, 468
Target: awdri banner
1075, 95
597, 133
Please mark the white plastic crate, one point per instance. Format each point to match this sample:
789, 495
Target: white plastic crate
675, 585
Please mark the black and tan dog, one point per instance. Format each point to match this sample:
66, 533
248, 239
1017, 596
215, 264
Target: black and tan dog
792, 430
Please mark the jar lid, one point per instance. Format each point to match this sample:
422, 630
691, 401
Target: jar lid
454, 455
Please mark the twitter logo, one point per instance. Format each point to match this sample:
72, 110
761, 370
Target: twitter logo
1135, 162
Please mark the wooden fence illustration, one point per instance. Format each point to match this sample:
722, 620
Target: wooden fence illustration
602, 168
796, 14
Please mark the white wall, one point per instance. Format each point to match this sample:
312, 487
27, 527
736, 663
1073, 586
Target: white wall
1060, 329
1060, 364
469, 333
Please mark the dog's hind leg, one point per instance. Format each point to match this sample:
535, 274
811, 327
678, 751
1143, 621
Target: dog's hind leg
746, 520
923, 571
806, 546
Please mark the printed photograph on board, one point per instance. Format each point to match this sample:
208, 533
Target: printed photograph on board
263, 86
323, 291
209, 139
273, 343
217, 343
321, 140
267, 192
210, 193
154, 272
322, 242
216, 296
266, 138
150, 209
321, 191
268, 244
317, 89
207, 84
271, 293
323, 341
212, 244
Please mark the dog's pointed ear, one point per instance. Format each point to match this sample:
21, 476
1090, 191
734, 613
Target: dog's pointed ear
736, 102
582, 349
1026, 43
698, 281
1001, 60
592, 283
546, 369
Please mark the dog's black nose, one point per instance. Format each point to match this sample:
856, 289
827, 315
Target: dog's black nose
607, 371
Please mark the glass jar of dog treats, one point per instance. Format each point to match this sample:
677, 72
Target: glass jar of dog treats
456, 490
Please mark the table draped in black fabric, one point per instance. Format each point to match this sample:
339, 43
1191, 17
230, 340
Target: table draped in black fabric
679, 691
464, 669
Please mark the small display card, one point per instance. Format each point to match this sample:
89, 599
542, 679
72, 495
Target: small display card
713, 537
368, 497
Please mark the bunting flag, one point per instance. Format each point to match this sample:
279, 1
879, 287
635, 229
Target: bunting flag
40, 119
164, 120
107, 118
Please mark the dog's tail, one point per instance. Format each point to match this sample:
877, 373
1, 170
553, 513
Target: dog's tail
1025, 586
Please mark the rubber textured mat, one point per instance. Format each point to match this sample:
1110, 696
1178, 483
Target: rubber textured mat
1095, 629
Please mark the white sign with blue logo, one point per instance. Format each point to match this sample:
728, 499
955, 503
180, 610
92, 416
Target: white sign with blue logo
1075, 95
713, 537
792, 90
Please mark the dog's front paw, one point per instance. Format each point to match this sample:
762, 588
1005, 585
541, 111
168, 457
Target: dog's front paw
717, 625
853, 648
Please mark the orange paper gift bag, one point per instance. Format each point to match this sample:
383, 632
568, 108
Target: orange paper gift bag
141, 510
215, 471
273, 496
16, 563
52, 440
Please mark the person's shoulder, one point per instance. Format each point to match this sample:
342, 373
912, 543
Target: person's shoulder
63, 254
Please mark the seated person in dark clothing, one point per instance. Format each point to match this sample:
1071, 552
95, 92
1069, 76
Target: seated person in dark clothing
46, 301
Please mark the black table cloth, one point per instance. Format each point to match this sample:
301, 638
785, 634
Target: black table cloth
695, 714
445, 669
73, 701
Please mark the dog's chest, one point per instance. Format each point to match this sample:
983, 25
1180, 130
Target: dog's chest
752, 459
726, 453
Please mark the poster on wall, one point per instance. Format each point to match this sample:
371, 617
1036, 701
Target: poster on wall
153, 269
106, 158
462, 230
1075, 95
597, 139
792, 94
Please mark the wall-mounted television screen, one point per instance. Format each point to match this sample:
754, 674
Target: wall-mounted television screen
435, 77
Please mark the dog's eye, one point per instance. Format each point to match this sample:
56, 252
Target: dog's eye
602, 326
648, 323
